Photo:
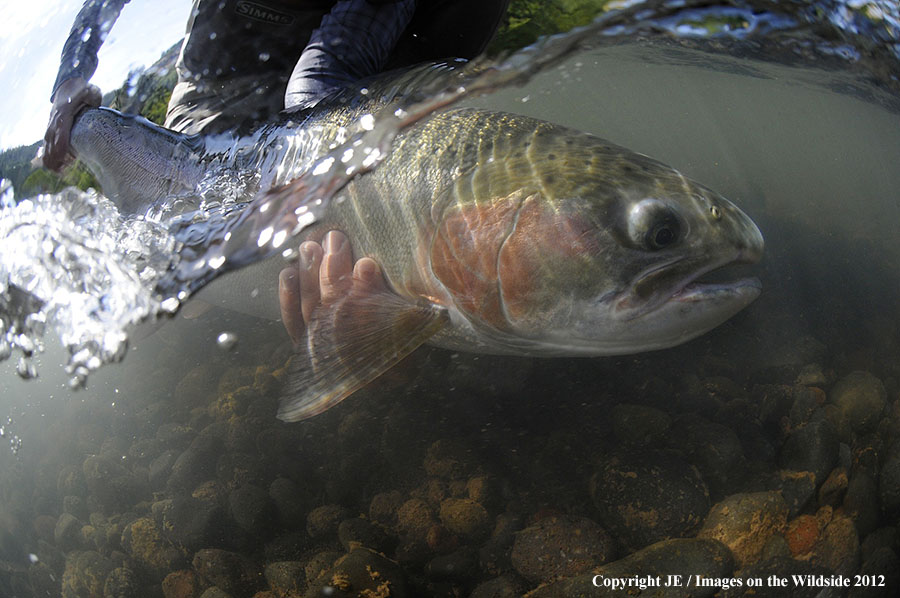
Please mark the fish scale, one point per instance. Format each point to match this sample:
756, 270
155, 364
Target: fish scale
496, 232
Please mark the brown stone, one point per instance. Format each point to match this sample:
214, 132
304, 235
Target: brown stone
181, 584
744, 522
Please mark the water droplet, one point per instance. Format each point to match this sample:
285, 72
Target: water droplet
26, 370
227, 341
170, 305
264, 56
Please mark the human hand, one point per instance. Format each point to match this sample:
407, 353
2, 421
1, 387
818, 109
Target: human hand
70, 98
323, 275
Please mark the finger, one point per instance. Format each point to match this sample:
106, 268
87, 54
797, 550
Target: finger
335, 275
310, 262
52, 158
56, 140
367, 276
289, 302
62, 119
92, 96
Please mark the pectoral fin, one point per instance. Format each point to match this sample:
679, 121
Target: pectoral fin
351, 342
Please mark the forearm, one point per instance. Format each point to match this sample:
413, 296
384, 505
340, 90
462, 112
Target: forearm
353, 41
91, 26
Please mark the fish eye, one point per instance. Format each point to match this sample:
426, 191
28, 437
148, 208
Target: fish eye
663, 235
653, 225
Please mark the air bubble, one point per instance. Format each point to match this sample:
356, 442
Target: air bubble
227, 341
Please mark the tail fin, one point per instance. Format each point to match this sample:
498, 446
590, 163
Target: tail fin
137, 162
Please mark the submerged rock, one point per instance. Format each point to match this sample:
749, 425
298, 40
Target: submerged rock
560, 546
324, 520
286, 578
191, 523
67, 533
812, 447
415, 517
161, 467
838, 550
152, 553
448, 459
122, 583
253, 510
113, 487
832, 490
883, 537
802, 534
215, 592
782, 567
639, 424
70, 481
882, 565
320, 564
229, 571
889, 481
460, 566
182, 584
505, 586
290, 501
860, 398
465, 517
384, 507
744, 522
191, 468
703, 557
75, 506
85, 574
361, 532
362, 572
797, 488
714, 449
646, 497
861, 501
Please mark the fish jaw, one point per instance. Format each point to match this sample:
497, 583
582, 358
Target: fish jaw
669, 303
731, 240
690, 312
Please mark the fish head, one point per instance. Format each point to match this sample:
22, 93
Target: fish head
600, 251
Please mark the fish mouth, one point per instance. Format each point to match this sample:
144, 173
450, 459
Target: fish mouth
700, 291
685, 281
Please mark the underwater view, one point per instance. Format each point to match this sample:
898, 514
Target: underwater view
609, 308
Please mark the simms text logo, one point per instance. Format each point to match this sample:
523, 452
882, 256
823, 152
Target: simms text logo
258, 12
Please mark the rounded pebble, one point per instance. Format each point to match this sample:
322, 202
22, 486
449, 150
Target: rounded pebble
645, 497
560, 546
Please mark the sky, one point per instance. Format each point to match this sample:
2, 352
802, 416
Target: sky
31, 39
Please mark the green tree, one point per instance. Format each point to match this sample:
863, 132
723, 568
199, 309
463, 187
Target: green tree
527, 20
40, 181
156, 105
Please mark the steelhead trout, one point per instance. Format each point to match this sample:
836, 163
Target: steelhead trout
496, 233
